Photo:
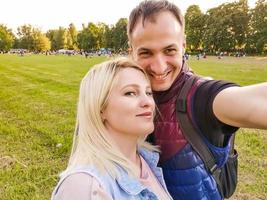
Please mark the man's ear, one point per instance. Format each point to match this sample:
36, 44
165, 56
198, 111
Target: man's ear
102, 114
130, 50
184, 42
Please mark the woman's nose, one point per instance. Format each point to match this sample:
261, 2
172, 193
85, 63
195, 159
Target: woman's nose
147, 101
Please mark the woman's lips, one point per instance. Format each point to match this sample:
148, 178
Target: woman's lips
145, 114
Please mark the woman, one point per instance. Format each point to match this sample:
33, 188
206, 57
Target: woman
110, 158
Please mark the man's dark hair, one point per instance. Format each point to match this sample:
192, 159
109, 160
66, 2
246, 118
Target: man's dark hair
148, 9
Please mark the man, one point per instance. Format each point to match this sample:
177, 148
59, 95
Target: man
157, 43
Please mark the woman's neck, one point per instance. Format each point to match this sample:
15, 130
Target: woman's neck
128, 147
129, 150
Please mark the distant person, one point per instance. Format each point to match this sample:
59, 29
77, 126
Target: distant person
220, 55
86, 54
21, 52
110, 159
216, 108
186, 56
198, 56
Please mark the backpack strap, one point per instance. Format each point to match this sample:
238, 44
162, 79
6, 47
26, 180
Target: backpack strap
191, 134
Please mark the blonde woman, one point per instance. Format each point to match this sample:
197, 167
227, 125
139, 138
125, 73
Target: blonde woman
110, 159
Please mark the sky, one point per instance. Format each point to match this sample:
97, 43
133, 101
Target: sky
50, 14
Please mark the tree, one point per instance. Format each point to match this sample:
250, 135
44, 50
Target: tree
82, 38
32, 39
93, 41
41, 42
95, 36
91, 36
239, 22
60, 38
6, 38
120, 34
258, 28
50, 34
226, 26
72, 37
102, 29
25, 34
108, 35
218, 35
194, 27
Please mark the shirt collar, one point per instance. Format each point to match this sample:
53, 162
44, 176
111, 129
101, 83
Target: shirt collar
130, 184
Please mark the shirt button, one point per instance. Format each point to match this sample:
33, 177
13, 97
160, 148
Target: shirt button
94, 192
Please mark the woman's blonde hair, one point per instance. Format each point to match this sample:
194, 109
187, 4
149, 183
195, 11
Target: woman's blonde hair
92, 144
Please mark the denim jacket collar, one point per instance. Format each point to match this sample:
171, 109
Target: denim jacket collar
130, 184
152, 158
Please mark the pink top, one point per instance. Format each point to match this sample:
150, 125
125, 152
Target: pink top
84, 187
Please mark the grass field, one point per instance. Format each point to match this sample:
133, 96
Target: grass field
38, 97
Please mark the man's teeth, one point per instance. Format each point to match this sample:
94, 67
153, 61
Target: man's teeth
160, 77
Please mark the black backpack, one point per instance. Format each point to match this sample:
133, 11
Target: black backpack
225, 177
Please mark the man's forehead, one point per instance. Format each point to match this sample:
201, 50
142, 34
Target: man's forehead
151, 19
158, 19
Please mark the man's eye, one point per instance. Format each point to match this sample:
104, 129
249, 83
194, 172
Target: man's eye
143, 54
130, 94
171, 51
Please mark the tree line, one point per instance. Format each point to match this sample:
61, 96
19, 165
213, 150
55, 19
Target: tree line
230, 27
91, 37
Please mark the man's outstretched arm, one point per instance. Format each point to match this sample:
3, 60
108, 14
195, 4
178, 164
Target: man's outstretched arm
242, 106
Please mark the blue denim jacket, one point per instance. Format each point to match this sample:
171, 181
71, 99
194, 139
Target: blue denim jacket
124, 187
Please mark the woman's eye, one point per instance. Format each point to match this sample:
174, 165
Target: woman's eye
130, 93
149, 93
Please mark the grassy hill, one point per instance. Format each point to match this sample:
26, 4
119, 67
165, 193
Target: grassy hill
38, 96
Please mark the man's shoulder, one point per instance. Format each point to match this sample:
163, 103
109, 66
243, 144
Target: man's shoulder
206, 85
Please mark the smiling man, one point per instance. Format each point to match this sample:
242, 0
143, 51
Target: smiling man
216, 108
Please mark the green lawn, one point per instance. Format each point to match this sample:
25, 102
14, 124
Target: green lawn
38, 97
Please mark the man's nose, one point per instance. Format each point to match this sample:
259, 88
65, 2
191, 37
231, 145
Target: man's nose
159, 65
